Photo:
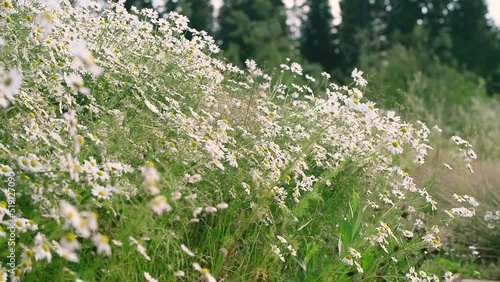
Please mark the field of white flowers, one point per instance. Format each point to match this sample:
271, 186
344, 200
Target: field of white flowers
130, 153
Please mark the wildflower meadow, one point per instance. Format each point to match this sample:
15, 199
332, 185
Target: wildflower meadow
129, 152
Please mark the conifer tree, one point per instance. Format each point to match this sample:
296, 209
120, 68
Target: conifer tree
199, 12
470, 32
254, 29
403, 15
317, 37
357, 15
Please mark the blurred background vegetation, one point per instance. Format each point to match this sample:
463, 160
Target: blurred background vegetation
433, 60
455, 33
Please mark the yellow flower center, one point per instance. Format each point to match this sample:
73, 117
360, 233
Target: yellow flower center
19, 272
83, 222
7, 4
71, 237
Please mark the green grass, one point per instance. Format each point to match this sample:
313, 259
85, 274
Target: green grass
307, 175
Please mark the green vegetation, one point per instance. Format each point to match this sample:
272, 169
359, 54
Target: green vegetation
132, 152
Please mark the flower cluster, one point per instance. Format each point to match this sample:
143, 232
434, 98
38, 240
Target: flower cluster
120, 128
492, 219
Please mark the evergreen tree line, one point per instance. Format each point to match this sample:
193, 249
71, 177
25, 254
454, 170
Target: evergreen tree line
458, 31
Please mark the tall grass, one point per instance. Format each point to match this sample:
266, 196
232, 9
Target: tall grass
455, 100
136, 155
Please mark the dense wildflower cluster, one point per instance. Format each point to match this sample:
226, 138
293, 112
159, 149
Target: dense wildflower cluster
112, 120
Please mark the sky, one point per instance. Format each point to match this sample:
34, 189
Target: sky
493, 5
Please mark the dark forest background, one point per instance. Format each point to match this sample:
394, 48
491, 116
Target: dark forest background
455, 33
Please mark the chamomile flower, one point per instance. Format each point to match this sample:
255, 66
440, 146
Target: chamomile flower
90, 166
407, 233
391, 117
458, 198
179, 273
358, 267
139, 248
276, 250
222, 206
75, 82
354, 253
348, 259
3, 274
358, 77
186, 250
296, 68
197, 211
83, 57
67, 254
373, 204
102, 244
395, 147
117, 243
195, 178
30, 163
448, 276
89, 219
149, 278
102, 193
42, 248
69, 213
205, 272
159, 205
10, 83
100, 175
282, 239
210, 209
152, 107
70, 242
151, 178
5, 170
